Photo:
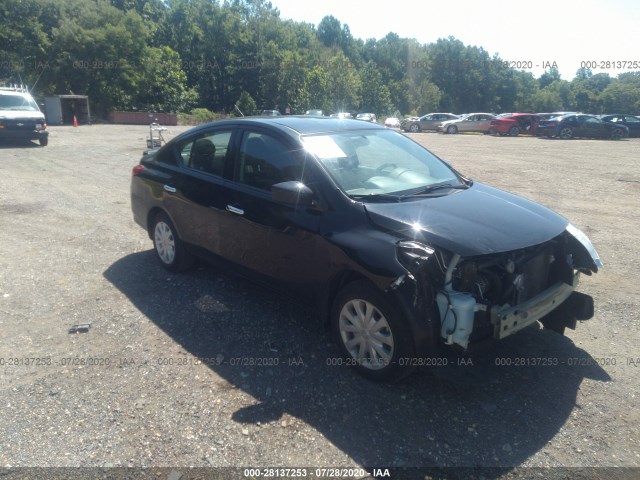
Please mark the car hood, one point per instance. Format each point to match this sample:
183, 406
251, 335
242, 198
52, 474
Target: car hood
476, 221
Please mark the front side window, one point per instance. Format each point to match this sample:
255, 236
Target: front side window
378, 162
264, 161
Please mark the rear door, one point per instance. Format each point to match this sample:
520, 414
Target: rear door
467, 124
428, 122
194, 195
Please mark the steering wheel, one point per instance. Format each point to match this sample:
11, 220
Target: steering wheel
384, 166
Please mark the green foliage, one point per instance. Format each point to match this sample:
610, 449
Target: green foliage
173, 55
198, 116
246, 104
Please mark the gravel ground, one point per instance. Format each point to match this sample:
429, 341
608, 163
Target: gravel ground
204, 369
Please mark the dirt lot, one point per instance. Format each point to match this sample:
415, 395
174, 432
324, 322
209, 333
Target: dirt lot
166, 374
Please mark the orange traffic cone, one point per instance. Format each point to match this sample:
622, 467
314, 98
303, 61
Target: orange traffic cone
75, 121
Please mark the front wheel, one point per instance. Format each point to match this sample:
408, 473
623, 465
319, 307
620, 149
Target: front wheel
617, 134
371, 334
414, 128
566, 133
44, 141
514, 131
170, 250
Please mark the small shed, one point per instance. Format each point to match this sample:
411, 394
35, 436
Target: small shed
60, 109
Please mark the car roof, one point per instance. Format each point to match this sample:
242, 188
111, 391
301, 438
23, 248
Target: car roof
293, 124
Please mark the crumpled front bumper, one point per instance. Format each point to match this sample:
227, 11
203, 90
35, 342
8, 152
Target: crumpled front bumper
508, 320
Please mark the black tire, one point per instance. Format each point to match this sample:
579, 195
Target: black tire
170, 250
514, 131
617, 134
565, 133
385, 345
451, 129
414, 128
44, 141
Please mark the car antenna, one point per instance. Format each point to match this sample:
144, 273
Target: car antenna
240, 111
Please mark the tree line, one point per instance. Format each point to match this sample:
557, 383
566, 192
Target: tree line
225, 56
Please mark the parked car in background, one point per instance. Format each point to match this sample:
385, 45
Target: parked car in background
314, 113
341, 115
367, 117
513, 124
547, 116
631, 122
587, 126
392, 122
270, 113
430, 121
472, 122
20, 116
397, 251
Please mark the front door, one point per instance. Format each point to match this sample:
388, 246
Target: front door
275, 240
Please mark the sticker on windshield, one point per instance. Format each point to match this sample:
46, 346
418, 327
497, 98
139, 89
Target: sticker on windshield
323, 147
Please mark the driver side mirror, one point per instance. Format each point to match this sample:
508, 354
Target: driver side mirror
292, 193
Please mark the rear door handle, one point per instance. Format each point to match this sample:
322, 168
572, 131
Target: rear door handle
170, 188
236, 210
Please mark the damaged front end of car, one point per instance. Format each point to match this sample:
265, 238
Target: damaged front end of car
494, 295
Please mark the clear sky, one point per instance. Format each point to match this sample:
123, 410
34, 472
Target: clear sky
567, 32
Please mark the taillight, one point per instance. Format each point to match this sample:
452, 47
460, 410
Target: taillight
136, 170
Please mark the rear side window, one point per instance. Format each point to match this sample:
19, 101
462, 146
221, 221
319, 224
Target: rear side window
207, 152
265, 161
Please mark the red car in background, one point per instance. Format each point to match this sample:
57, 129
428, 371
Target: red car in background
513, 124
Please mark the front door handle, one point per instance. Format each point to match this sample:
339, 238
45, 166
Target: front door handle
170, 188
236, 210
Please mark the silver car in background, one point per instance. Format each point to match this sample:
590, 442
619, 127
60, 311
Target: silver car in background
472, 122
430, 121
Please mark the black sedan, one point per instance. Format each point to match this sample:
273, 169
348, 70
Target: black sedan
586, 126
401, 254
629, 121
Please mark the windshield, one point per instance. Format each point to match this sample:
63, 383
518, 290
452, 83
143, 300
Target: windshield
378, 162
17, 102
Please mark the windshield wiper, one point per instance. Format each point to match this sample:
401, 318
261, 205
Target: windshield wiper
439, 186
424, 192
377, 196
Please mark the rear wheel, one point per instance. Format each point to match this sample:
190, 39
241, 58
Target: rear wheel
566, 133
170, 250
452, 129
514, 131
371, 334
44, 141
